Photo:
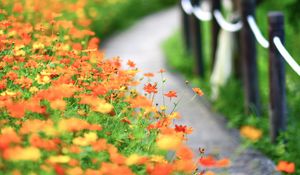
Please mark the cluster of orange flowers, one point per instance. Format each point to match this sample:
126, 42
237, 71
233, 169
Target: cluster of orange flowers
64, 109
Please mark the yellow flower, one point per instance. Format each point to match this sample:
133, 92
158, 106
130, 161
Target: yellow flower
86, 140
59, 159
38, 45
91, 136
19, 53
80, 141
158, 159
45, 73
163, 108
19, 153
12, 33
133, 159
81, 112
103, 108
42, 79
168, 142
33, 89
8, 93
50, 131
174, 115
251, 133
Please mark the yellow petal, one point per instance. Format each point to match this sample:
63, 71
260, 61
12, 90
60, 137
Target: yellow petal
59, 159
168, 142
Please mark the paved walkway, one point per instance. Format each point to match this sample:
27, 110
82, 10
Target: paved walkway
142, 44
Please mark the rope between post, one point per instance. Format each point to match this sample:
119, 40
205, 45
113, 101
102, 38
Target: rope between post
286, 55
202, 15
257, 33
187, 6
226, 25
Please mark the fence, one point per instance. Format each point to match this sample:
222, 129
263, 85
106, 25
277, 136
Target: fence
192, 15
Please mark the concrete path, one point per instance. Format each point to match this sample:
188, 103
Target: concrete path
142, 44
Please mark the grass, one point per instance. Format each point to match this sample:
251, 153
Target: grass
111, 16
230, 102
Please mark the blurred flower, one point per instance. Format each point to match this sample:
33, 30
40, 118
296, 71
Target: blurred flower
8, 136
59, 159
171, 94
198, 91
42, 79
287, 167
183, 128
168, 142
210, 161
131, 64
103, 107
133, 159
88, 139
58, 104
251, 133
162, 71
149, 75
19, 153
149, 88
207, 161
160, 169
158, 159
184, 153
208, 173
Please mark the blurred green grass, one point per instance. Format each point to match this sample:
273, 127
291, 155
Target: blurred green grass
230, 102
109, 16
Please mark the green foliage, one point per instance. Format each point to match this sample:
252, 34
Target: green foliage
110, 16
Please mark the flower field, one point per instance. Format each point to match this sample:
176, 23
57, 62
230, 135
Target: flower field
65, 109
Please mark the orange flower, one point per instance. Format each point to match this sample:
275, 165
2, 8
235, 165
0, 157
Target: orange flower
19, 153
140, 102
210, 161
168, 141
162, 71
208, 173
38, 142
251, 133
106, 168
149, 88
16, 110
99, 90
59, 169
284, 166
18, 7
198, 91
73, 124
171, 94
99, 145
35, 126
7, 137
58, 104
183, 128
160, 169
223, 163
116, 157
187, 166
131, 64
184, 153
149, 75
